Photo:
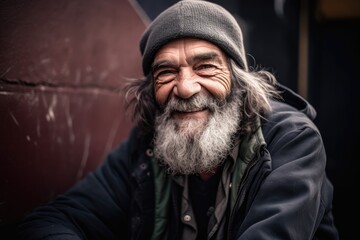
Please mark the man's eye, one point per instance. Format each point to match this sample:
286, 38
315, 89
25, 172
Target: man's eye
205, 67
165, 72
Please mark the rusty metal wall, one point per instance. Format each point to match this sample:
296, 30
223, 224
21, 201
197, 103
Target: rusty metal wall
61, 65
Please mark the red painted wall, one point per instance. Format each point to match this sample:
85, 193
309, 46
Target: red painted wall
61, 65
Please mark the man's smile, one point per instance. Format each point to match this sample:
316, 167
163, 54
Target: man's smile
201, 114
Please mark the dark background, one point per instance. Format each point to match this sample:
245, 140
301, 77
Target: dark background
62, 63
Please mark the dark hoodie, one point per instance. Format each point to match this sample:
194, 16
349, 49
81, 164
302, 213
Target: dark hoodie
284, 193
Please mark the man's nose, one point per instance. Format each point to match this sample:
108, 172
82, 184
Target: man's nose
187, 84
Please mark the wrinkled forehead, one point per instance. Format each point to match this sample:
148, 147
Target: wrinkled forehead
190, 48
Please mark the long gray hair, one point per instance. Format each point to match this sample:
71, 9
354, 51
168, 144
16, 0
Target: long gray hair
255, 88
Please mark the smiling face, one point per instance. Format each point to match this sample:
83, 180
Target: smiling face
187, 67
194, 129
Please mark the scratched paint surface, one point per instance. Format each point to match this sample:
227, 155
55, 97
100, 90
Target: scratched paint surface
51, 140
61, 65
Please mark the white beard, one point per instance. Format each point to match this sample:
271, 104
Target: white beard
191, 146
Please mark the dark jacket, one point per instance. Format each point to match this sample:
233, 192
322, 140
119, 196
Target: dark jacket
284, 193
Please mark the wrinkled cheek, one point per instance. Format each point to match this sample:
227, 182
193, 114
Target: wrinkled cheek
225, 81
162, 95
220, 86
218, 90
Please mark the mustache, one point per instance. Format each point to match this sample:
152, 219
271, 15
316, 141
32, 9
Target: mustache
195, 103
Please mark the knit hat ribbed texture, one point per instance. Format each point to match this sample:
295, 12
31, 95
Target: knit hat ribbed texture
193, 19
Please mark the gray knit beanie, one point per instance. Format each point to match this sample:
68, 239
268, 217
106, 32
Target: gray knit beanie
193, 19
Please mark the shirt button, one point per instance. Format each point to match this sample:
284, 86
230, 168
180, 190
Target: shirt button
149, 152
187, 218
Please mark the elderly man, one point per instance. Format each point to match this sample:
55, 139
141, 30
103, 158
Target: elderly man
219, 151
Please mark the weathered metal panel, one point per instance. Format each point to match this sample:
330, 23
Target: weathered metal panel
61, 65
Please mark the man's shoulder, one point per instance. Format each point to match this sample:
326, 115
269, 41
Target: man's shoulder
285, 118
130, 148
136, 139
286, 113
